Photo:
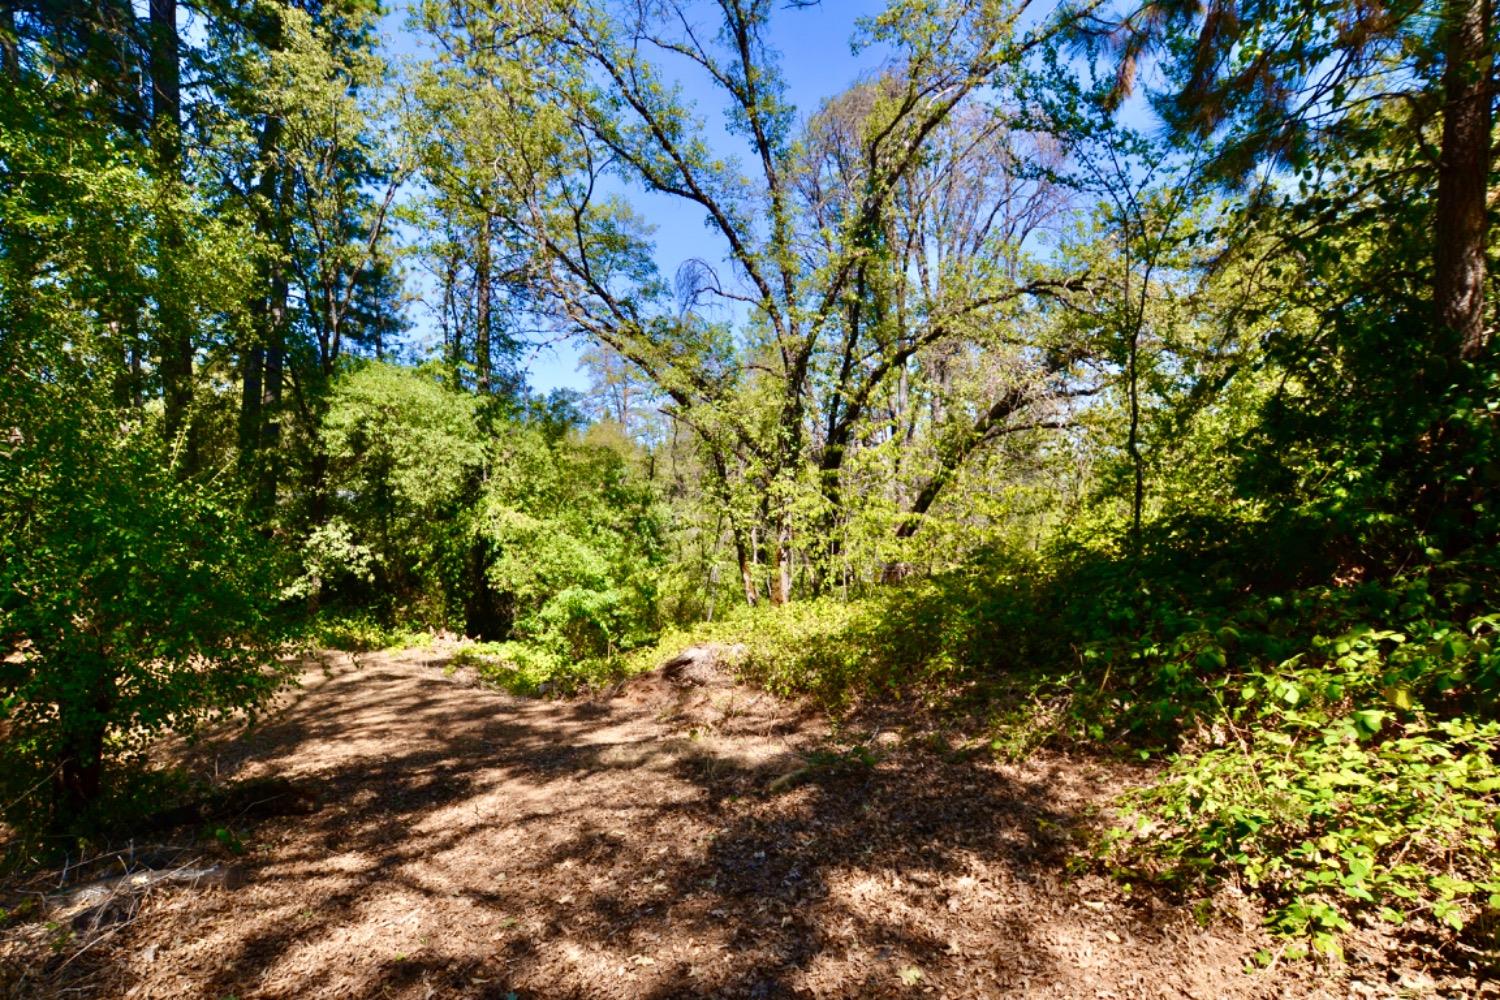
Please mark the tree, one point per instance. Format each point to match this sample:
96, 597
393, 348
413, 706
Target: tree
131, 601
174, 332
132, 604
618, 392
458, 507
343, 178
811, 349
1290, 83
455, 115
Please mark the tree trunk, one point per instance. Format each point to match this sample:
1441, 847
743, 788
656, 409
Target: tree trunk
742, 556
252, 389
10, 57
482, 308
174, 333
130, 388
271, 412
829, 548
260, 429
137, 400
1133, 435
781, 558
80, 775
276, 346
453, 348
166, 88
1463, 175
488, 614
80, 770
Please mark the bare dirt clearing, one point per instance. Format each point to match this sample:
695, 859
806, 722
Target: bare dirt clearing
672, 841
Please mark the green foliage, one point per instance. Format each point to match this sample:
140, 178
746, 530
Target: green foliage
577, 542
134, 601
131, 604
405, 460
934, 639
527, 669
362, 632
1330, 821
462, 514
1340, 767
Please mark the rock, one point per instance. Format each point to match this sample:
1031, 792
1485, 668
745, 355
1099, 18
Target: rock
702, 666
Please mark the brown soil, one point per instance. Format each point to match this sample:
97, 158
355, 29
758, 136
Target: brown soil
683, 838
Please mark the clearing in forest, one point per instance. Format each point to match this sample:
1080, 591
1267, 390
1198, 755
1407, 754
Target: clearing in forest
683, 838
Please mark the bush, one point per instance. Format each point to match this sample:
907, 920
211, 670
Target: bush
362, 632
406, 457
525, 669
131, 604
470, 514
931, 638
1359, 775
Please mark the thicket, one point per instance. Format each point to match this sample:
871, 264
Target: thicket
483, 516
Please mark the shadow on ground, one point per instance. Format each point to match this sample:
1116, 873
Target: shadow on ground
476, 845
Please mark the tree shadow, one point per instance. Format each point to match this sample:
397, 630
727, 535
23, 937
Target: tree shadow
472, 844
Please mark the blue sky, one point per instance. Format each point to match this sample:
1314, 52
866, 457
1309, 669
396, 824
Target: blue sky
816, 63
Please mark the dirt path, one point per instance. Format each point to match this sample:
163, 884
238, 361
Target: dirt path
472, 844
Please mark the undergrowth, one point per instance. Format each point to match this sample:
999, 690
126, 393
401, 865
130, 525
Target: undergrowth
1348, 772
528, 669
927, 638
362, 632
1334, 749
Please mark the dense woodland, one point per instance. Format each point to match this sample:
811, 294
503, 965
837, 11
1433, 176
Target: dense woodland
1118, 372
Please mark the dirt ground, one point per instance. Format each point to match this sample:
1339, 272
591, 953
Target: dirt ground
669, 841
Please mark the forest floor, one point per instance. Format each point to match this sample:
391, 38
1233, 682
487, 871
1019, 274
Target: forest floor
668, 840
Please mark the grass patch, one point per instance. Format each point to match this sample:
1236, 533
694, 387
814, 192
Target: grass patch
364, 633
532, 671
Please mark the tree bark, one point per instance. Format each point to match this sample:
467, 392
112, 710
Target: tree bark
166, 85
747, 574
781, 556
453, 348
81, 773
252, 389
262, 364
1461, 228
269, 480
174, 333
10, 57
482, 308
80, 765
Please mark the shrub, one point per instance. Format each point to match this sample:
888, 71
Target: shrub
525, 669
1340, 755
131, 604
362, 632
924, 636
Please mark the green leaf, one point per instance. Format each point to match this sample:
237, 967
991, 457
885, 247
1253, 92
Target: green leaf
1369, 720
1449, 913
